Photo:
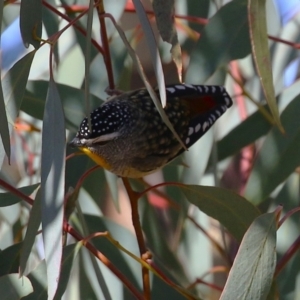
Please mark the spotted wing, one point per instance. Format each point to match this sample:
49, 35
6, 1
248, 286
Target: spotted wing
206, 102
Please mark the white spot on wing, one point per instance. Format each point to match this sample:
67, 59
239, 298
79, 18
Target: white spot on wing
218, 113
198, 127
189, 86
171, 90
180, 87
205, 125
213, 89
199, 88
187, 140
191, 131
227, 101
206, 88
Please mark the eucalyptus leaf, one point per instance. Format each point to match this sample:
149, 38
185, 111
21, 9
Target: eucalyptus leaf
278, 156
231, 210
252, 272
7, 199
53, 185
13, 287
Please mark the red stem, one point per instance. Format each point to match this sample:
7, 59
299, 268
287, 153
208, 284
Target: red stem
68, 228
104, 39
133, 198
80, 29
16, 192
287, 256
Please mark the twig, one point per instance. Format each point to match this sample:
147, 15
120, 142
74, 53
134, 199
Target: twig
144, 253
68, 228
73, 22
104, 39
287, 256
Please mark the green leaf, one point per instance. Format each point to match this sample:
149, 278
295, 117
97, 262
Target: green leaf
7, 199
161, 289
252, 272
278, 157
126, 264
72, 101
90, 260
246, 133
13, 87
261, 54
51, 23
224, 38
9, 259
4, 130
38, 278
230, 209
112, 181
196, 167
31, 232
86, 290
87, 59
164, 15
141, 72
153, 49
31, 22
158, 244
69, 254
12, 287
52, 185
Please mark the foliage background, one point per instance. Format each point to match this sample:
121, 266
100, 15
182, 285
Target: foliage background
245, 152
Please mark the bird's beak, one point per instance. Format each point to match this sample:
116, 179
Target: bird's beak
75, 143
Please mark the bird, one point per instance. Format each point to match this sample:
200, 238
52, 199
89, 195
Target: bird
127, 136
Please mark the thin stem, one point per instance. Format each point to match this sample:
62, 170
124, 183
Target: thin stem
144, 253
260, 107
288, 43
175, 206
104, 39
288, 215
73, 22
191, 19
287, 256
16, 192
211, 285
68, 228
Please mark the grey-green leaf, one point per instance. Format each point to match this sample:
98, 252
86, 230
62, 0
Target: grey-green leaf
278, 157
224, 38
252, 272
261, 52
230, 209
153, 48
31, 22
244, 134
13, 287
13, 87
164, 14
7, 199
31, 232
4, 130
52, 185
69, 254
